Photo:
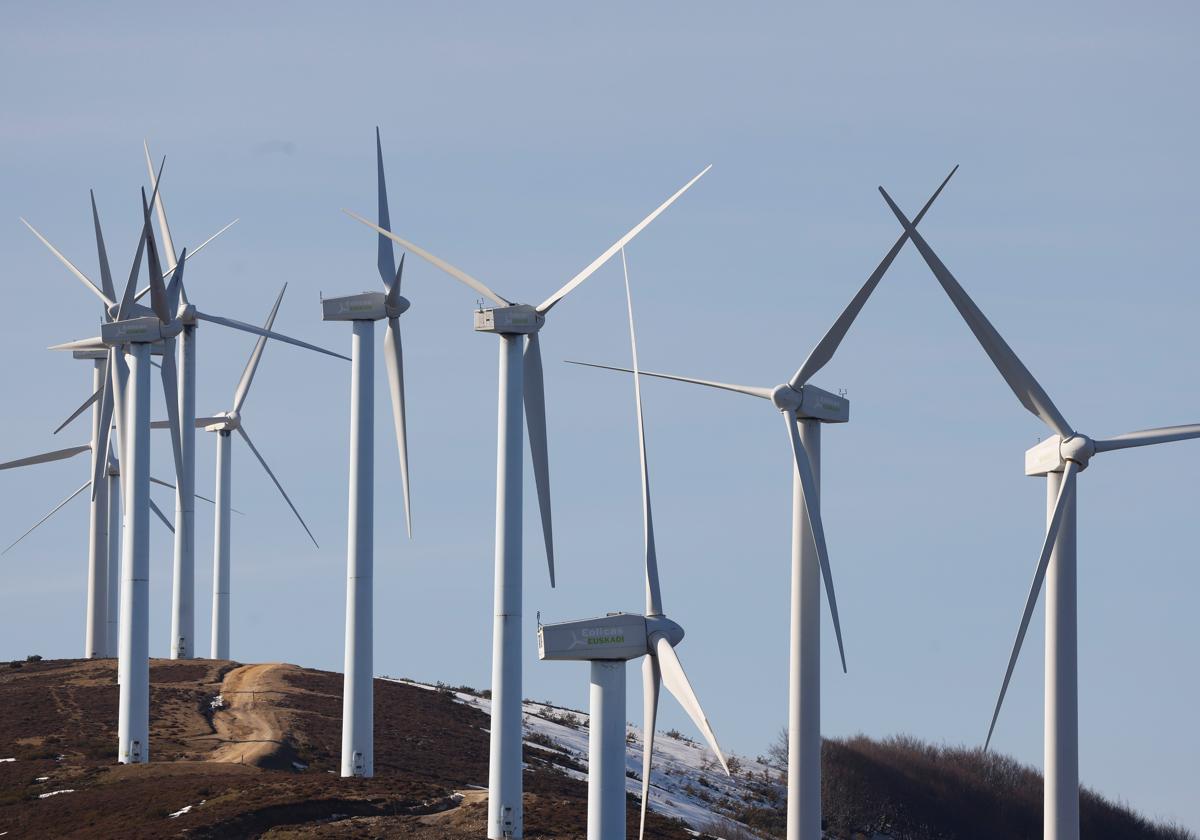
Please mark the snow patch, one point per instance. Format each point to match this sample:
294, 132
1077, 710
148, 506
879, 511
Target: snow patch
55, 793
184, 810
2, 761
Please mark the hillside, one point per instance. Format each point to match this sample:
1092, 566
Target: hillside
264, 764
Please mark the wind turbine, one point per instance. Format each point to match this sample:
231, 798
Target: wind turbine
105, 360
224, 424
805, 407
363, 310
608, 643
1060, 458
183, 579
517, 325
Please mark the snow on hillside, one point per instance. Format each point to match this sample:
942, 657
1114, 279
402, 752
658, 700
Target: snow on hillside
686, 780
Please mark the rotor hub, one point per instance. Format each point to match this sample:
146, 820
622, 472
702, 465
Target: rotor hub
1077, 448
402, 305
660, 625
187, 314
787, 398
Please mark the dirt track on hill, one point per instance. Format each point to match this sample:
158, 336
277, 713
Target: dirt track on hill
251, 727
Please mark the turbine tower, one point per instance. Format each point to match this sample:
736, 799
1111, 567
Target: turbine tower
805, 408
224, 425
608, 643
517, 325
1060, 458
363, 310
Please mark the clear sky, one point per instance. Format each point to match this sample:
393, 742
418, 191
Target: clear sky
520, 141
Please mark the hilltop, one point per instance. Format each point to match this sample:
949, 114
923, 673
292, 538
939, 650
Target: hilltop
252, 751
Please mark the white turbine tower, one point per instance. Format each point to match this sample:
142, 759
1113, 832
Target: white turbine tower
225, 424
1060, 458
805, 407
363, 310
517, 325
608, 643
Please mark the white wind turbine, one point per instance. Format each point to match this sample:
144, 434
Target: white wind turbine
517, 325
608, 643
1060, 458
363, 310
224, 424
106, 361
183, 580
805, 407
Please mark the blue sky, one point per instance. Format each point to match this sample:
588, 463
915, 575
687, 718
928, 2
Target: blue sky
520, 141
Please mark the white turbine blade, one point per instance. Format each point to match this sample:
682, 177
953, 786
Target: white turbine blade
70, 266
548, 303
250, 328
539, 453
118, 370
457, 273
170, 384
104, 430
386, 257
158, 512
808, 484
1019, 379
650, 685
94, 343
158, 291
828, 345
106, 281
163, 228
183, 258
1147, 437
282, 492
46, 457
653, 592
393, 356
749, 390
1065, 490
677, 683
127, 297
86, 404
57, 508
243, 386
171, 486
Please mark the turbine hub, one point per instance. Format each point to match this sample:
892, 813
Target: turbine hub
402, 305
187, 314
787, 398
228, 421
1078, 448
1053, 453
660, 625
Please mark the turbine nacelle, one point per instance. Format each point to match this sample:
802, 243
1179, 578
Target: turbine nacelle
617, 636
365, 306
89, 354
1053, 453
186, 315
810, 402
142, 330
517, 319
227, 421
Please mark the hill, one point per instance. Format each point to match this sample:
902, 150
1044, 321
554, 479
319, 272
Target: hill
252, 751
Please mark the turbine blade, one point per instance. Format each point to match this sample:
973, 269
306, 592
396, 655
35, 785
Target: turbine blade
158, 292
393, 356
250, 328
171, 486
56, 509
677, 683
546, 305
170, 384
183, 259
653, 592
70, 265
1065, 490
86, 404
651, 678
539, 453
808, 484
104, 430
93, 343
163, 228
1019, 379
175, 286
457, 273
158, 512
46, 457
828, 345
1147, 437
106, 281
127, 297
749, 390
393, 291
386, 258
282, 492
243, 387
